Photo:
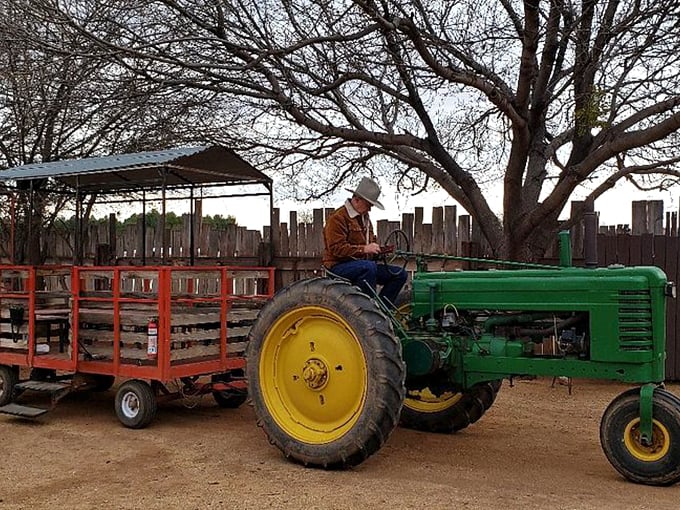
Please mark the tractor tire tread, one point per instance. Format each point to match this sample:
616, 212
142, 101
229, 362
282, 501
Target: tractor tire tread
621, 411
379, 415
472, 405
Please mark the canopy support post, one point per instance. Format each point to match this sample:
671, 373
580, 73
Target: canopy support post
143, 227
192, 213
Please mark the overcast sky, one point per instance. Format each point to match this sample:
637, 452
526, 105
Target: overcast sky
253, 212
614, 207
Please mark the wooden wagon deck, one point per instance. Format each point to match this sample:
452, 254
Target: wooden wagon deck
97, 318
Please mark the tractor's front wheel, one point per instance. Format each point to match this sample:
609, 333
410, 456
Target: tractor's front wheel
656, 462
325, 373
448, 411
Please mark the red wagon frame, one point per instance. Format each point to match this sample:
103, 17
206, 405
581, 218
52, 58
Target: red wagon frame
161, 293
158, 299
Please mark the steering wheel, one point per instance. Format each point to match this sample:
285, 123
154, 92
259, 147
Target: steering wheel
392, 252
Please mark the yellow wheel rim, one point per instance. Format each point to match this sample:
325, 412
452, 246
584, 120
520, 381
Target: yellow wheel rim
661, 441
313, 374
424, 401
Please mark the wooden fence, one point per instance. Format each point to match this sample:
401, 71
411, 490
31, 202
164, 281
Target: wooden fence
130, 243
295, 247
447, 233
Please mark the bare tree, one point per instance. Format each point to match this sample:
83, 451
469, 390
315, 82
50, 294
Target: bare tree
59, 100
543, 96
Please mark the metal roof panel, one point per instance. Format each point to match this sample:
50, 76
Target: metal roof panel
181, 167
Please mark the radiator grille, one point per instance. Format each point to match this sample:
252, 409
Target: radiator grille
635, 320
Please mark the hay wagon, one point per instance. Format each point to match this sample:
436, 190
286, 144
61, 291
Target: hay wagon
167, 331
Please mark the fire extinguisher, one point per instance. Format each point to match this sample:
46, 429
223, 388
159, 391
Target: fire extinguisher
152, 339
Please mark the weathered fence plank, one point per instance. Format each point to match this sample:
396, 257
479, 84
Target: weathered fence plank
639, 217
418, 236
450, 230
293, 238
437, 230
276, 232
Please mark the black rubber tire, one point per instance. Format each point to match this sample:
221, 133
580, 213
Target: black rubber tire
101, 382
333, 306
136, 404
230, 399
43, 374
617, 437
8, 380
466, 408
496, 385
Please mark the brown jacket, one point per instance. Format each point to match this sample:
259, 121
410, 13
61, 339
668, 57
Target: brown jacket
345, 236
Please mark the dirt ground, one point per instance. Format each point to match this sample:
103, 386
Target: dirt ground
537, 447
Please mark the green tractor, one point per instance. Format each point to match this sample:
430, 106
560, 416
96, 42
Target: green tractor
333, 371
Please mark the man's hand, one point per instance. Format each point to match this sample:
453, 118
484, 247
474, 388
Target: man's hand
372, 249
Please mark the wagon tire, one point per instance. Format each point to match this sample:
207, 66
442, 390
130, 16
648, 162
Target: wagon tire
325, 373
8, 380
102, 382
43, 374
230, 398
136, 404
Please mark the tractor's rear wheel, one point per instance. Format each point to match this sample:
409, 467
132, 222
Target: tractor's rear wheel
443, 411
448, 411
325, 373
656, 463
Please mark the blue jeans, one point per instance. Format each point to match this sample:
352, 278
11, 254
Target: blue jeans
367, 273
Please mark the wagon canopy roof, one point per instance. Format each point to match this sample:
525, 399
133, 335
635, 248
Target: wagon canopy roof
171, 168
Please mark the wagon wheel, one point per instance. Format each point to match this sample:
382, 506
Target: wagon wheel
398, 244
229, 399
43, 374
136, 404
325, 373
443, 410
657, 463
8, 379
101, 382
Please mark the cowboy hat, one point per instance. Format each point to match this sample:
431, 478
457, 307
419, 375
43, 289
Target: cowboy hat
369, 190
